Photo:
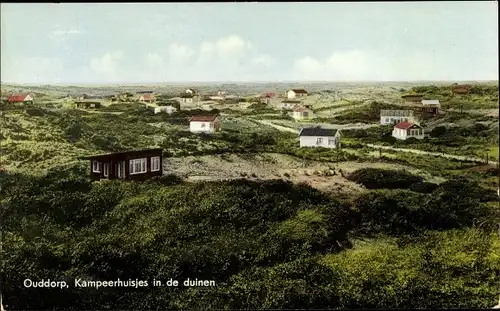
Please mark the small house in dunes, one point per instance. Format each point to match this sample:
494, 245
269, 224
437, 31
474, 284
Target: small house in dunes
293, 93
413, 98
187, 98
319, 137
21, 98
165, 109
430, 106
147, 98
290, 104
396, 116
302, 114
87, 104
204, 124
405, 130
128, 165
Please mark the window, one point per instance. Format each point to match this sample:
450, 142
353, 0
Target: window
155, 164
95, 167
387, 120
331, 141
203, 125
120, 169
138, 166
106, 169
319, 140
305, 114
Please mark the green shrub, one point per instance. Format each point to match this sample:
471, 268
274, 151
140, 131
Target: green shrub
373, 178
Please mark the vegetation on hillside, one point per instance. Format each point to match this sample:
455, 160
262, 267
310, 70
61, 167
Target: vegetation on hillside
279, 244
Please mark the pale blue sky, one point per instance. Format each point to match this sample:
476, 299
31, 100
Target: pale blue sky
178, 42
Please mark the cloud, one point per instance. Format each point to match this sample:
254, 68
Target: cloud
180, 53
358, 65
222, 59
110, 67
36, 70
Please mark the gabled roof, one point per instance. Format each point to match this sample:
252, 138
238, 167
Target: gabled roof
299, 91
412, 95
147, 96
186, 96
317, 131
301, 109
430, 102
405, 125
17, 98
203, 118
144, 92
123, 153
396, 113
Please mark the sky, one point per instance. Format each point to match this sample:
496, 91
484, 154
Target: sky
116, 43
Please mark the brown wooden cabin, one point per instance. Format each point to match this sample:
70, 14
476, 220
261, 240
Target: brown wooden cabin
128, 165
88, 104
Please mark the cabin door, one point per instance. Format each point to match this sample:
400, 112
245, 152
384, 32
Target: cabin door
120, 169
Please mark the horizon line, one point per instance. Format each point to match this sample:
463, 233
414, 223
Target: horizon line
232, 82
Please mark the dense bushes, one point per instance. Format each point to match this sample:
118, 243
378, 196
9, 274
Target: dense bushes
373, 178
253, 238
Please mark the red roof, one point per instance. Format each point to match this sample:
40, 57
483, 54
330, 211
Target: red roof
301, 109
269, 94
148, 97
299, 91
404, 125
203, 118
17, 98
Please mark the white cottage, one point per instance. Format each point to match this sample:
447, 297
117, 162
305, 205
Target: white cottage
187, 99
319, 137
165, 109
291, 94
405, 130
204, 124
396, 116
302, 114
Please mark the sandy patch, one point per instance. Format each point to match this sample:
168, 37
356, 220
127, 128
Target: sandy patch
320, 175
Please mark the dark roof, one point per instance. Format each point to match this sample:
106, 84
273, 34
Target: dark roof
412, 95
203, 118
317, 131
144, 92
123, 153
186, 96
300, 91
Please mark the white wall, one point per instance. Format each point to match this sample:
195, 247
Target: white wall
299, 115
290, 94
405, 134
312, 141
392, 120
201, 127
167, 109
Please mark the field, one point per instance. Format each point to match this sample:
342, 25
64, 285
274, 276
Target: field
378, 223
